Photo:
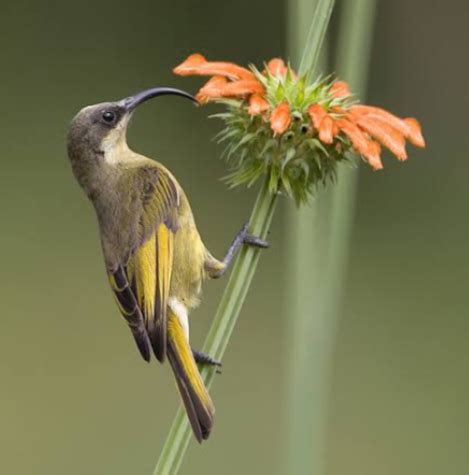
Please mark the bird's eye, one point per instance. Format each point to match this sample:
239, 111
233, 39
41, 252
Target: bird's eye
109, 116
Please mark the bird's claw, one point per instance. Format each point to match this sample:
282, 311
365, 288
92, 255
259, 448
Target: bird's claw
251, 240
204, 359
256, 242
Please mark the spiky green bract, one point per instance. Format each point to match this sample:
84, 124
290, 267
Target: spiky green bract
296, 161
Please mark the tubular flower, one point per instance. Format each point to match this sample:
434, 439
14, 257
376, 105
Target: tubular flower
219, 87
317, 113
196, 64
257, 105
280, 119
297, 132
326, 130
277, 67
340, 89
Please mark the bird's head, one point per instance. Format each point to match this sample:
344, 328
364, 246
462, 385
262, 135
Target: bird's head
97, 134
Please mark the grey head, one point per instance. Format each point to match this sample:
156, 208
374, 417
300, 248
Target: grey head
98, 132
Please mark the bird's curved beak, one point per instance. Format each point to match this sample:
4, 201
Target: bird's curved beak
131, 102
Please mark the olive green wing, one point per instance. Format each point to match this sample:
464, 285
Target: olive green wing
149, 266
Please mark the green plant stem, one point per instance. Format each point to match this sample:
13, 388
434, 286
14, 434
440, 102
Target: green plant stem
353, 55
222, 327
319, 239
305, 411
317, 32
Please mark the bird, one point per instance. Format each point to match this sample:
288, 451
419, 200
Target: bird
154, 256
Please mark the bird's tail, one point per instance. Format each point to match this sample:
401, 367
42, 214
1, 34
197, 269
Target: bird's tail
199, 406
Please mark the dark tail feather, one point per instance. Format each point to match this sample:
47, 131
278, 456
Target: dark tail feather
197, 401
157, 334
141, 339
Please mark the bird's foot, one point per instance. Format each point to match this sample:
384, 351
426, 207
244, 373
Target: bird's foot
242, 237
251, 240
204, 359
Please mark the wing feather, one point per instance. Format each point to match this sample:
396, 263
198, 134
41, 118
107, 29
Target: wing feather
164, 262
147, 272
130, 310
145, 276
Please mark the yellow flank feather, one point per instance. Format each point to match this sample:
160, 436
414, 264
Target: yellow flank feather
145, 276
165, 242
184, 354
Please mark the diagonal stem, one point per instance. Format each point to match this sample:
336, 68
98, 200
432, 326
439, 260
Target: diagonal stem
317, 32
222, 327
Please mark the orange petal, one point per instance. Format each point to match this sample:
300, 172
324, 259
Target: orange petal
415, 137
257, 105
280, 119
326, 130
243, 87
362, 144
384, 133
337, 110
409, 128
374, 155
196, 64
219, 87
277, 67
317, 114
335, 129
211, 89
340, 89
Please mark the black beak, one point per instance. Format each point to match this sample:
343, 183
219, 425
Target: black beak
131, 102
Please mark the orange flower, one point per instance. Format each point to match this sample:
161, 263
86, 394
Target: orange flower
366, 127
316, 113
326, 130
384, 133
374, 155
196, 64
277, 67
333, 115
361, 143
340, 89
257, 105
415, 136
280, 119
409, 128
219, 87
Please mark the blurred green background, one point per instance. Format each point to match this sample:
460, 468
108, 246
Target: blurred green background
76, 398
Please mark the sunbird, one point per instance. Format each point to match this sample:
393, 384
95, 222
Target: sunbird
155, 258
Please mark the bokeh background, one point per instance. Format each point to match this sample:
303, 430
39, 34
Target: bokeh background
75, 397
